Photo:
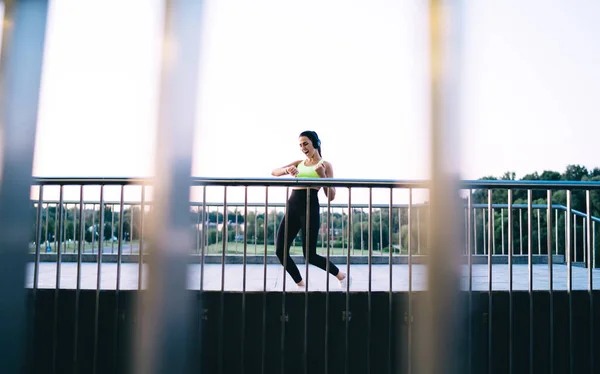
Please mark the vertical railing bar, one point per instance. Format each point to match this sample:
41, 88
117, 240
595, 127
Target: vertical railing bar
469, 225
217, 229
574, 238
342, 234
583, 239
539, 212
502, 228
327, 266
307, 242
275, 226
141, 249
484, 227
98, 282
65, 217
490, 286
112, 228
38, 238
556, 230
550, 284
203, 311
410, 284
243, 369
491, 244
235, 212
380, 233
264, 306
46, 238
198, 228
594, 244
38, 225
466, 227
285, 255
362, 240
400, 229
255, 230
347, 311
418, 210
530, 275
493, 231
475, 231
203, 239
93, 228
390, 299
59, 214
78, 285
369, 289
566, 229
521, 231
588, 218
131, 225
222, 298
118, 281
570, 279
322, 239
120, 244
510, 282
74, 228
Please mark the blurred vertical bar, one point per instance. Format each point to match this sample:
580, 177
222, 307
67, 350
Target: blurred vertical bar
23, 33
162, 344
441, 327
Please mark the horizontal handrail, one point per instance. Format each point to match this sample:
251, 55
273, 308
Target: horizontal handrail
328, 182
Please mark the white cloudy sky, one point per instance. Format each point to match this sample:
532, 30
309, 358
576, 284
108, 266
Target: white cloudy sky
354, 71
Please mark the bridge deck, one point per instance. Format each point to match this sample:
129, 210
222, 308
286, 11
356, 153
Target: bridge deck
380, 275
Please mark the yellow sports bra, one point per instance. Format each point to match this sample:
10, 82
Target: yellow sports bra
307, 171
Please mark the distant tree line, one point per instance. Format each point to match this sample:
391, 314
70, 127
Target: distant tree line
519, 196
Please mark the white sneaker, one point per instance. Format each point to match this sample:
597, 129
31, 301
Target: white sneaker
345, 282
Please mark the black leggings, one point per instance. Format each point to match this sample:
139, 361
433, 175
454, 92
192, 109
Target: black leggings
297, 221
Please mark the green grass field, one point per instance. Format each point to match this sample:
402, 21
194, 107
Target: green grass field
259, 249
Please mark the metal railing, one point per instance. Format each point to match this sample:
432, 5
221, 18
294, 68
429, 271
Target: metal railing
381, 271
123, 227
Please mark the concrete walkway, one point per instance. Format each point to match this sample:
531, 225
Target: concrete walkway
255, 280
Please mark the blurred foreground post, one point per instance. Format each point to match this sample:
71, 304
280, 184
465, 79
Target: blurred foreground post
441, 329
164, 311
23, 35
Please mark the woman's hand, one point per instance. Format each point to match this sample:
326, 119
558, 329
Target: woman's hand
330, 193
321, 170
291, 170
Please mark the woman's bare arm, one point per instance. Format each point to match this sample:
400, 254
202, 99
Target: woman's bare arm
285, 170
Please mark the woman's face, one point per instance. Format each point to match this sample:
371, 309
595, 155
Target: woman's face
306, 146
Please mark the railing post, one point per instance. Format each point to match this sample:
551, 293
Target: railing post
165, 305
440, 322
23, 36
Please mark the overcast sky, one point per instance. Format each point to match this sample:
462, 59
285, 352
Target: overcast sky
354, 71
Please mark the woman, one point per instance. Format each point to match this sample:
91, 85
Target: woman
312, 167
